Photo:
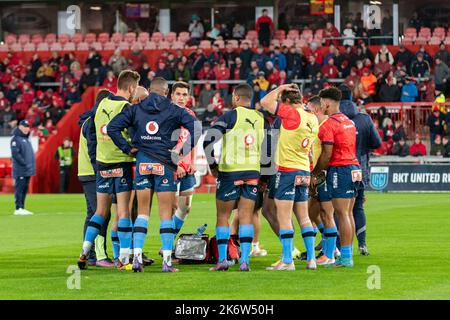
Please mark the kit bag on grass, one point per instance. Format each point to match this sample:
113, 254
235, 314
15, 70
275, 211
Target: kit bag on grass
233, 249
192, 248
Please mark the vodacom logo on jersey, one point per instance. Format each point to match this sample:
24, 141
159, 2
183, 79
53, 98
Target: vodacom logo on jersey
152, 127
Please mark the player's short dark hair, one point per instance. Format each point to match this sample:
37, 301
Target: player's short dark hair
331, 93
180, 84
244, 91
127, 78
314, 100
102, 94
294, 96
158, 82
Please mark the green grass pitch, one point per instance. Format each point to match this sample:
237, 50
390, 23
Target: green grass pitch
408, 236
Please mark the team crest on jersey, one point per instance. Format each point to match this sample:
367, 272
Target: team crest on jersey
112, 173
152, 127
165, 181
151, 168
379, 177
249, 140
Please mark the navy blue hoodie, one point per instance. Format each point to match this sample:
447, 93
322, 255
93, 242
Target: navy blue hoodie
22, 154
155, 122
367, 137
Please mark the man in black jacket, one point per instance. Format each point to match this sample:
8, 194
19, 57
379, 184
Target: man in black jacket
23, 165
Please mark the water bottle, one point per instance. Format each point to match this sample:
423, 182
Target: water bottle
200, 230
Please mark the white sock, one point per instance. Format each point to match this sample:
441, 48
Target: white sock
124, 255
138, 254
255, 245
87, 247
167, 257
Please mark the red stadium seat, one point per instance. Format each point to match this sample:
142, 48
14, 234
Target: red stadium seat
24, 39
10, 39
288, 43
300, 43
205, 44
69, 46
77, 38
29, 47
177, 45
56, 47
124, 45
97, 46
37, 38
280, 35
82, 46
163, 45
130, 37
50, 38
150, 45
435, 41
43, 46
103, 38
2, 169
275, 42
421, 41
447, 40
109, 46
293, 34
63, 38
15, 47
170, 37
4, 48
157, 37
251, 35
220, 43
233, 43
439, 33
143, 37
425, 33
90, 38
116, 38
184, 37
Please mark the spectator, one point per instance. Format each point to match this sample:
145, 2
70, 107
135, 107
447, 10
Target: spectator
278, 59
221, 72
206, 95
400, 148
446, 144
20, 107
330, 55
382, 66
218, 102
295, 62
197, 59
389, 91
388, 131
73, 96
399, 132
88, 79
437, 148
230, 55
418, 149
317, 83
260, 57
238, 71
316, 53
435, 123
3, 101
384, 51
258, 94
163, 72
387, 25
136, 58
117, 62
366, 53
65, 155
264, 27
415, 21
103, 71
261, 81
143, 72
312, 68
94, 60
27, 93
110, 82
148, 79
330, 70
225, 32
238, 31
443, 54
425, 54
210, 116
215, 56
404, 56
8, 119
349, 34
368, 82
246, 55
427, 89
409, 91
197, 31
214, 34
331, 32
420, 67
441, 75
182, 73
45, 73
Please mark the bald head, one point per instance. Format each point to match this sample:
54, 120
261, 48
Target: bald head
159, 86
141, 94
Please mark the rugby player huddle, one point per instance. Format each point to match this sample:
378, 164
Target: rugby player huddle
285, 158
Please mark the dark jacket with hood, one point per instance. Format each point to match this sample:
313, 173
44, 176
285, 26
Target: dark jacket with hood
155, 121
367, 137
23, 161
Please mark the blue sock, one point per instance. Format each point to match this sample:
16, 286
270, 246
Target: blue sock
125, 233
139, 233
287, 240
308, 239
321, 228
246, 234
346, 252
331, 236
115, 244
94, 227
166, 232
223, 235
178, 224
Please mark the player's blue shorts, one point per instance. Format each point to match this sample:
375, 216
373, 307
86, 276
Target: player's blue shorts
187, 183
233, 190
292, 186
323, 193
343, 182
271, 186
115, 180
151, 174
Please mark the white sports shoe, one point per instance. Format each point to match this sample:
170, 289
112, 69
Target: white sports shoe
22, 212
258, 252
281, 266
27, 212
